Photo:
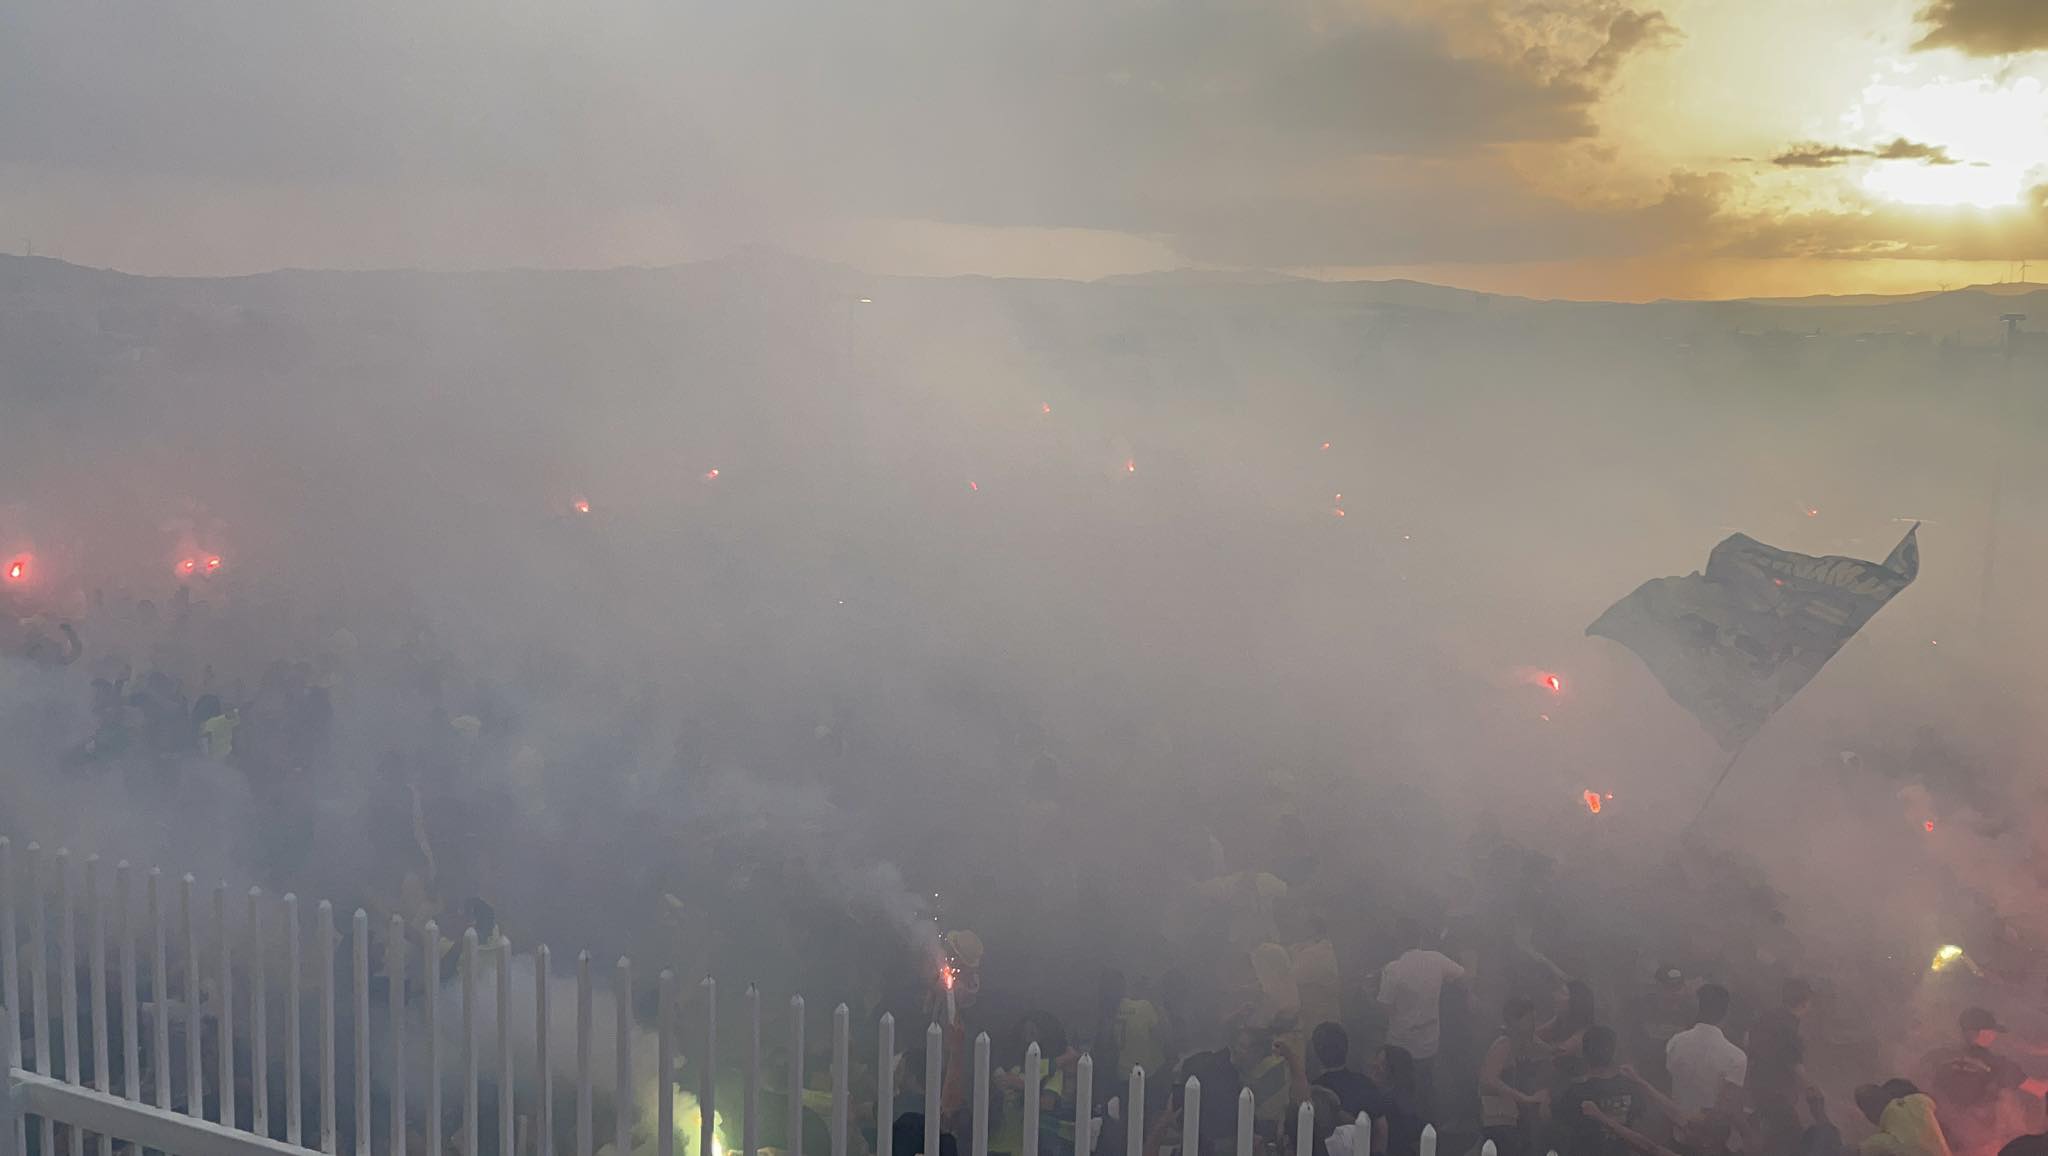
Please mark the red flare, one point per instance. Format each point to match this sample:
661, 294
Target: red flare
711, 475
17, 570
1130, 465
1326, 445
212, 564
1593, 801
975, 488
581, 506
189, 566
1930, 826
1812, 512
1045, 407
1552, 683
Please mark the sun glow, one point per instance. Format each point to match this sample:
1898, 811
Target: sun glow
1993, 134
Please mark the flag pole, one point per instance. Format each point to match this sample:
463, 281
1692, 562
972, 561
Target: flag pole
1715, 789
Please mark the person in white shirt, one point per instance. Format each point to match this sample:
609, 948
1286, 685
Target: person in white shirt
1707, 1069
1411, 989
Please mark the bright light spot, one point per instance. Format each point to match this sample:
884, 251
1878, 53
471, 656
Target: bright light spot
1326, 445
975, 488
1045, 407
1592, 799
1919, 183
711, 475
1934, 642
1544, 717
1812, 512
1947, 956
1339, 511
1130, 465
1929, 824
212, 564
1994, 128
867, 301
1404, 537
17, 570
581, 506
1777, 581
1551, 683
1339, 498
189, 566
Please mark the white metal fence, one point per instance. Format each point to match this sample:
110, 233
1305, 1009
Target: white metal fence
174, 1021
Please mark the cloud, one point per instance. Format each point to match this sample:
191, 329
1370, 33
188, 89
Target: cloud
1192, 122
1883, 230
1821, 156
1985, 27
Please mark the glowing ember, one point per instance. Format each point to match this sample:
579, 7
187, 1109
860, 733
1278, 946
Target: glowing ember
1929, 824
17, 570
1812, 513
581, 506
1045, 407
189, 566
1551, 683
711, 475
1949, 955
1592, 799
1130, 465
212, 564
948, 974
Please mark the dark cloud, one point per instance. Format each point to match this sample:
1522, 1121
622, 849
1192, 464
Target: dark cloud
1162, 119
1821, 156
1986, 27
1629, 32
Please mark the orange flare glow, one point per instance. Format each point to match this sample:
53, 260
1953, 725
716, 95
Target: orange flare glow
1593, 801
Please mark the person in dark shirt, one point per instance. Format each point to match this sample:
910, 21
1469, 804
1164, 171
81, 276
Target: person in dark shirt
1819, 1136
1606, 1087
1969, 1079
1777, 1065
1332, 1046
1396, 1107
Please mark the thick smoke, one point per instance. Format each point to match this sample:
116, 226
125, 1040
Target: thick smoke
1031, 597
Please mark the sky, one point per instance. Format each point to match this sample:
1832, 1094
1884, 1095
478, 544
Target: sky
1625, 149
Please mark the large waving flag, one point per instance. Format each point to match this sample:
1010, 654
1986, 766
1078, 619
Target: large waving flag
1735, 643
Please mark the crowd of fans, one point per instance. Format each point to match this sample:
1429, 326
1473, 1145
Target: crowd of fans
1692, 1036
